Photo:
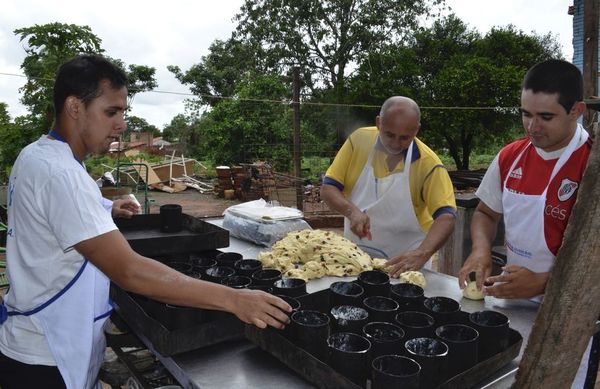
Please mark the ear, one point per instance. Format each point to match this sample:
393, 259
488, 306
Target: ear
578, 108
73, 107
378, 122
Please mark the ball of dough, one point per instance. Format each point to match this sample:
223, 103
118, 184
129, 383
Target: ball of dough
379, 263
413, 277
471, 292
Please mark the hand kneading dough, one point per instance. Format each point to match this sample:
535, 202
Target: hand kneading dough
472, 293
413, 277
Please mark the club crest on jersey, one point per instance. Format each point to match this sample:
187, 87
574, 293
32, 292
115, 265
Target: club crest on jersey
566, 189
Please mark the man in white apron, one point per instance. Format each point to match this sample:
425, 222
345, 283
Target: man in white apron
532, 183
395, 194
63, 246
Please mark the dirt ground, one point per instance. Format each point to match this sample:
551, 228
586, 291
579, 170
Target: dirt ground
192, 202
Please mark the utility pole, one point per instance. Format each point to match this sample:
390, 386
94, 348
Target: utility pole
297, 158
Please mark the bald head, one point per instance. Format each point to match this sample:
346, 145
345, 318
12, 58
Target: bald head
400, 105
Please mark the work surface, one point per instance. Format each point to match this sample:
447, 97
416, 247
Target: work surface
241, 364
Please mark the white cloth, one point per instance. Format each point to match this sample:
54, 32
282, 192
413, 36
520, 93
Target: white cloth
387, 201
53, 204
73, 326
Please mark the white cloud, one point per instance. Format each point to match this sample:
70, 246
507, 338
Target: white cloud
179, 33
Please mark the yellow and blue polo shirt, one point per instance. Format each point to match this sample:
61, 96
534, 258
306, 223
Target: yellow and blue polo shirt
430, 186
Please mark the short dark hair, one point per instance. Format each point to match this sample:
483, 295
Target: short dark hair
556, 76
81, 76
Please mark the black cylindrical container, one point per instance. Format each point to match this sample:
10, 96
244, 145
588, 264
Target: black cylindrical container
443, 309
266, 277
218, 273
415, 324
375, 283
345, 293
348, 318
236, 282
395, 371
171, 219
432, 355
463, 343
385, 338
493, 332
228, 259
293, 287
310, 330
408, 296
381, 308
348, 354
245, 267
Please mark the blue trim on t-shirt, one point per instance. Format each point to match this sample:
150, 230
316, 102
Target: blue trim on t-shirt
331, 181
59, 138
5, 313
442, 211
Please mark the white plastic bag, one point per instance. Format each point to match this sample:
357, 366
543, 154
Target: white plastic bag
262, 223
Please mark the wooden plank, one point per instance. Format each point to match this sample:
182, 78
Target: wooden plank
152, 177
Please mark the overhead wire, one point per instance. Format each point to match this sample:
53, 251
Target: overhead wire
285, 102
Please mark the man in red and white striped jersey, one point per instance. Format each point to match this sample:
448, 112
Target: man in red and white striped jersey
532, 183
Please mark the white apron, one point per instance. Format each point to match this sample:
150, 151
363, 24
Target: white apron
388, 203
524, 218
524, 231
73, 326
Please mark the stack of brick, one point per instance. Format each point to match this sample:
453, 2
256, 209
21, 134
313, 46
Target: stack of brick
225, 181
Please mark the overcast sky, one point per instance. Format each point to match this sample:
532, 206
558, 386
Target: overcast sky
179, 33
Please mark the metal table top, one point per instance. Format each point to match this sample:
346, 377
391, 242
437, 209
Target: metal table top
241, 364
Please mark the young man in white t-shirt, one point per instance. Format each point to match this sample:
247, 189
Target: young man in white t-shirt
63, 247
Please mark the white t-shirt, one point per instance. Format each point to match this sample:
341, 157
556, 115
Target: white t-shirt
53, 204
490, 189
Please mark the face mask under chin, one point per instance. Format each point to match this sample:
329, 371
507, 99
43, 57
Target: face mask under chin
387, 150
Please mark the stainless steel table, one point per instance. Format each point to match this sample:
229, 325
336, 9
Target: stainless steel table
241, 364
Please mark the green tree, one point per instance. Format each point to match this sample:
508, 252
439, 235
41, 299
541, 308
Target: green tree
138, 124
177, 128
47, 47
243, 128
218, 73
451, 66
325, 37
16, 135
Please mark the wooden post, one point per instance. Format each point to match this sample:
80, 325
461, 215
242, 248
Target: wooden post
568, 314
297, 158
590, 57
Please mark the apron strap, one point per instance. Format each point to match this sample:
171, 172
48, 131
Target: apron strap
4, 313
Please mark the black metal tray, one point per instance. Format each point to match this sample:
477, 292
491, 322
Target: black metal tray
322, 375
145, 237
218, 327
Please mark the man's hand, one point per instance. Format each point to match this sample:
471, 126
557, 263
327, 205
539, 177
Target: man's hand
480, 264
410, 260
261, 309
360, 224
124, 208
517, 282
